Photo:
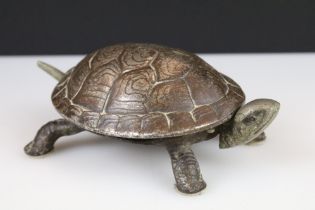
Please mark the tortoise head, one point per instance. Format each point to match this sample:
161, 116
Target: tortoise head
249, 122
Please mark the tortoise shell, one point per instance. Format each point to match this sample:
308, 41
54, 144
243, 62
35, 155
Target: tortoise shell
146, 91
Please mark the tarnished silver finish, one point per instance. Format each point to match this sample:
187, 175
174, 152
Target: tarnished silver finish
54, 72
47, 136
145, 91
154, 95
249, 122
258, 139
186, 169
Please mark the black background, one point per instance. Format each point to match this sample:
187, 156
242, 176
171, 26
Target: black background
64, 27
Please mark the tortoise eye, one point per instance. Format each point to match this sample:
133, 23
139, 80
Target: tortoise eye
248, 120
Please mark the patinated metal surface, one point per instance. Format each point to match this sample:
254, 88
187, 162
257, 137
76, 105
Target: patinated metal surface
146, 91
186, 169
48, 134
249, 123
150, 94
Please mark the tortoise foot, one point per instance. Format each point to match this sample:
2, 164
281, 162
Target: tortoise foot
191, 184
186, 169
36, 149
47, 136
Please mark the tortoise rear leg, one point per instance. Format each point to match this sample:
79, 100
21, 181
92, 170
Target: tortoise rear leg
186, 169
48, 135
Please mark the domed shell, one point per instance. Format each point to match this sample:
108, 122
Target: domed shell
146, 91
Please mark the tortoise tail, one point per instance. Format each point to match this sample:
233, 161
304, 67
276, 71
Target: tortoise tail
54, 72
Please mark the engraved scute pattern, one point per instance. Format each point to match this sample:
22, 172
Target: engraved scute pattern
180, 121
206, 86
205, 115
107, 54
154, 123
135, 56
108, 122
96, 86
130, 92
170, 97
130, 124
173, 64
78, 76
146, 91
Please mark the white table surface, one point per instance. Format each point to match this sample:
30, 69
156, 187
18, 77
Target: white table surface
86, 171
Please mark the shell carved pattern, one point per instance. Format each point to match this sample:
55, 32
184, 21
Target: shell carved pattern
144, 91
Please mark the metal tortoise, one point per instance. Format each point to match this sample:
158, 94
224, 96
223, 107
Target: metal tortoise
152, 94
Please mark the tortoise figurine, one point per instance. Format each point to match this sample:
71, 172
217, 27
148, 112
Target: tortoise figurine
152, 94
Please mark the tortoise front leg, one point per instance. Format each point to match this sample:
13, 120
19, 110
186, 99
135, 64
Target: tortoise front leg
186, 169
48, 135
